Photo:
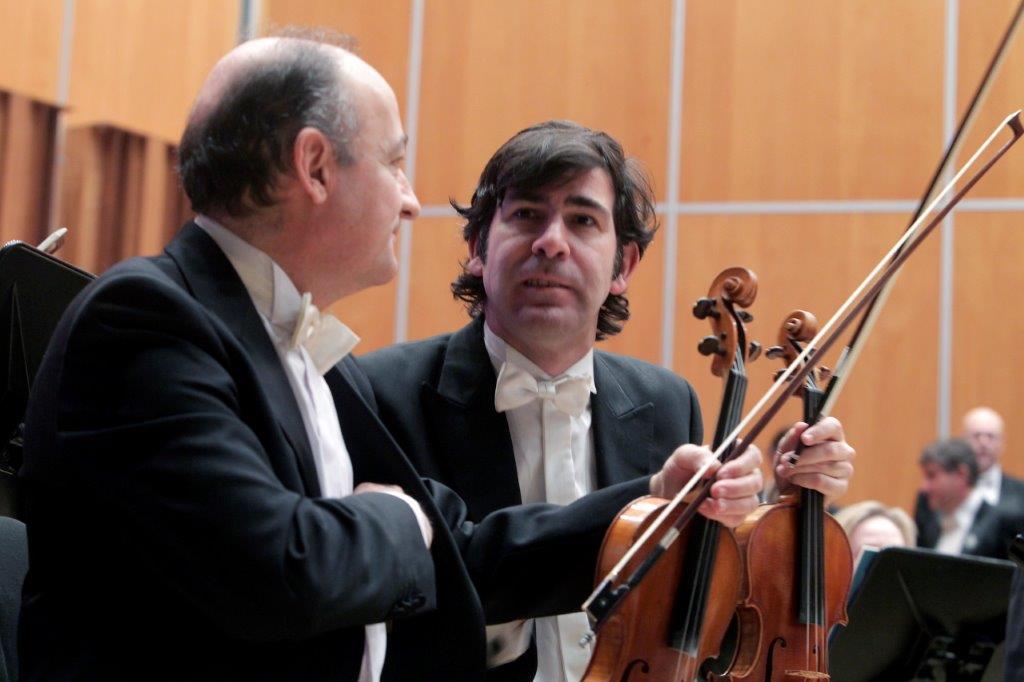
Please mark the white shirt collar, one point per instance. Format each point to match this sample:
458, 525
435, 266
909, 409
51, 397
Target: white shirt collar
964, 514
276, 298
500, 352
988, 484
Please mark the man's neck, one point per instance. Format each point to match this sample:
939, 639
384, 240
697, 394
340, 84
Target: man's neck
267, 230
553, 360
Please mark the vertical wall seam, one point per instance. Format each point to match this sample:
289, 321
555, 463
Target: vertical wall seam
945, 360
671, 229
67, 35
249, 14
412, 119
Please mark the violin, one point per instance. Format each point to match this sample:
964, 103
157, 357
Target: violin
797, 557
626, 570
702, 577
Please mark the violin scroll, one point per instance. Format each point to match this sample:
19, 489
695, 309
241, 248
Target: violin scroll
733, 290
798, 328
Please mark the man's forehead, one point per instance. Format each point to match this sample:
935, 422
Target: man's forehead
591, 185
983, 420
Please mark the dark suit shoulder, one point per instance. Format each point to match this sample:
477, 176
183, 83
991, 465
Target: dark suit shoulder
643, 383
1013, 486
641, 379
405, 366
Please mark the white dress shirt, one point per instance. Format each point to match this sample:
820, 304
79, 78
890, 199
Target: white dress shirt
569, 440
291, 321
955, 525
989, 482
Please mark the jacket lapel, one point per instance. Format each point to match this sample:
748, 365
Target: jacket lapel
479, 460
214, 283
982, 537
623, 431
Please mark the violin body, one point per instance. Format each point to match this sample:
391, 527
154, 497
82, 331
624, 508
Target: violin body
635, 643
773, 644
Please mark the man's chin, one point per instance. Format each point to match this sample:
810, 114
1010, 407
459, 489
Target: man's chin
548, 320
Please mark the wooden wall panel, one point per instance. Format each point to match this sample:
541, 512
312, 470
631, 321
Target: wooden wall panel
381, 30
988, 366
371, 314
982, 24
811, 100
491, 68
138, 65
27, 134
437, 250
30, 44
813, 262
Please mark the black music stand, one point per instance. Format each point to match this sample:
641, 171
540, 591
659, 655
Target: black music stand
921, 615
35, 289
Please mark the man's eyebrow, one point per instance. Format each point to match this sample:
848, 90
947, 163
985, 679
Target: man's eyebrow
535, 197
531, 196
587, 202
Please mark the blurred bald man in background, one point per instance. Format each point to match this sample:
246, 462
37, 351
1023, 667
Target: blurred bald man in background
983, 429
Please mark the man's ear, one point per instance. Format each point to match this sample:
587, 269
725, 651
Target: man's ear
475, 265
313, 161
630, 258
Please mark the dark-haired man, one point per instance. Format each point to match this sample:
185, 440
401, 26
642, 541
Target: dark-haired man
965, 522
210, 494
518, 406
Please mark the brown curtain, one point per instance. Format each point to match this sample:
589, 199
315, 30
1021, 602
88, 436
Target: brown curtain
27, 135
120, 196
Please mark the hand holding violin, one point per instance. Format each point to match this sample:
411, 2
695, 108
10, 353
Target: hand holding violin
734, 492
824, 464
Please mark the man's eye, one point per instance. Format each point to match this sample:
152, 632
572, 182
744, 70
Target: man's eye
524, 214
584, 220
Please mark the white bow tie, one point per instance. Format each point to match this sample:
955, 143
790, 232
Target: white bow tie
517, 387
323, 335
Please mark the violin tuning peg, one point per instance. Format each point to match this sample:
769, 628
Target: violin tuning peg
744, 316
704, 307
754, 352
773, 352
710, 345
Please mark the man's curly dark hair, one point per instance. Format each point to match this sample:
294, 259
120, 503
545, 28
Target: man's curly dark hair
548, 154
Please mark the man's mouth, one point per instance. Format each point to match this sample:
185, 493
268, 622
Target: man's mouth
539, 283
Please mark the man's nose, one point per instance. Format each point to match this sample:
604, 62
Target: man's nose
552, 241
410, 204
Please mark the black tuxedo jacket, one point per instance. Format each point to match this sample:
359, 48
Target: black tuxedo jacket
437, 399
174, 519
990, 534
